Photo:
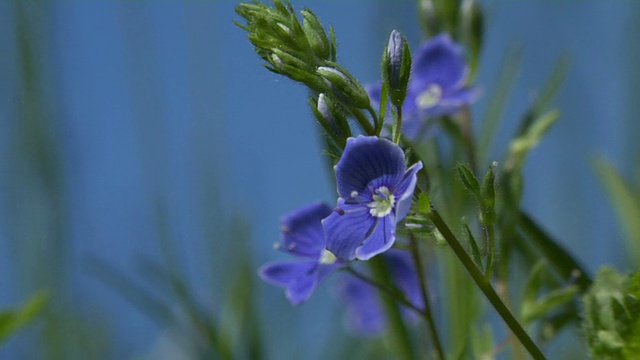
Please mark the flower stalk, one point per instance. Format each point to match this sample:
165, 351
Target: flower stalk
485, 286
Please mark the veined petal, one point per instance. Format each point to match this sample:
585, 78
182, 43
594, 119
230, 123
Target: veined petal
302, 232
438, 61
368, 162
347, 230
404, 191
380, 240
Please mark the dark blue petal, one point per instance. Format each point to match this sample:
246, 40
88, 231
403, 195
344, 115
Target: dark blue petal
367, 163
302, 233
438, 61
347, 230
380, 240
404, 191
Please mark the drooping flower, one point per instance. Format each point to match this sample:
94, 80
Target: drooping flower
436, 87
375, 189
363, 310
302, 236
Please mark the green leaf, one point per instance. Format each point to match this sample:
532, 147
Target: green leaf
529, 139
626, 203
473, 246
488, 198
564, 264
469, 180
548, 303
424, 204
14, 320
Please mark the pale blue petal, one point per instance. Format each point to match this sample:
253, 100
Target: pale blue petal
285, 273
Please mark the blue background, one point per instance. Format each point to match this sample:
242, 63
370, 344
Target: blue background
160, 121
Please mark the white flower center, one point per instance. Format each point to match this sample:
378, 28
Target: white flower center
382, 203
327, 257
429, 97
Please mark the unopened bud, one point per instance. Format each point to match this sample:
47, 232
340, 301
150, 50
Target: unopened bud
316, 35
396, 67
344, 86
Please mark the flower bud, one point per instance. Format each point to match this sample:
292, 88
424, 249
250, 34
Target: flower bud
316, 35
396, 67
344, 86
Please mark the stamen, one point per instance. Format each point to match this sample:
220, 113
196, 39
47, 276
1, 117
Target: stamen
354, 194
339, 210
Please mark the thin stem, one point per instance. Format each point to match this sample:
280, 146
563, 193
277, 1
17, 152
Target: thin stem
467, 135
397, 328
382, 287
435, 338
485, 286
490, 233
363, 121
397, 124
376, 121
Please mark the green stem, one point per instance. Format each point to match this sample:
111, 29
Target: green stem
363, 121
490, 232
397, 328
397, 124
435, 339
376, 121
485, 286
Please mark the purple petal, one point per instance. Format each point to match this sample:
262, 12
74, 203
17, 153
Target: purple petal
404, 191
302, 233
438, 61
380, 240
347, 230
300, 278
365, 159
285, 273
364, 314
404, 275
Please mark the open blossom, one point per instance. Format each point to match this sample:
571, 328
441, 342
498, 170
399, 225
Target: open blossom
364, 312
436, 87
375, 189
302, 236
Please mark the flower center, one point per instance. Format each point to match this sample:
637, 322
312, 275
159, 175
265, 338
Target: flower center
382, 203
327, 257
429, 97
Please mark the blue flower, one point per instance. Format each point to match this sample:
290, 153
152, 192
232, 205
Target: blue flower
364, 313
302, 236
375, 191
436, 87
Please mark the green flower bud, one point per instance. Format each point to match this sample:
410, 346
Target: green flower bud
344, 86
315, 34
396, 67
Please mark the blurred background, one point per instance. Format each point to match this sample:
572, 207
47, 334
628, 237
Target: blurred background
146, 157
